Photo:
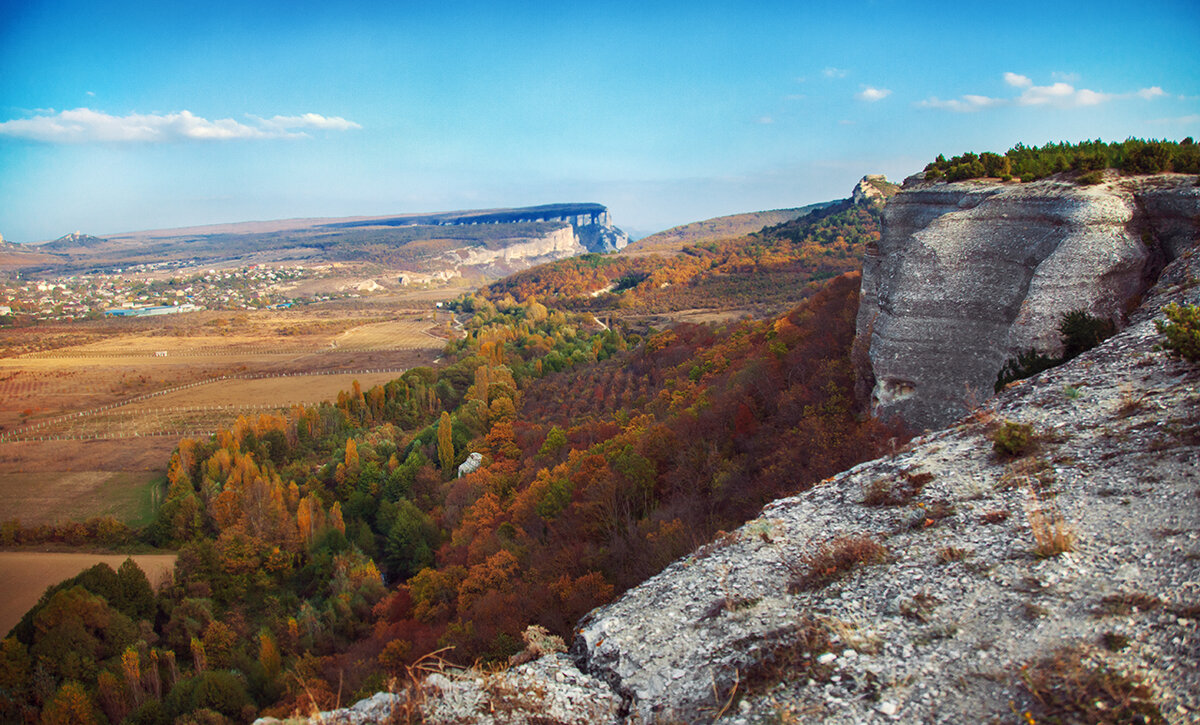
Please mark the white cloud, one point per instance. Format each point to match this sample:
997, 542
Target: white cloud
1056, 95
83, 125
309, 120
1018, 80
872, 94
832, 72
91, 93
765, 120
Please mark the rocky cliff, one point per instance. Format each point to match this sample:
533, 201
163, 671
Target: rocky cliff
968, 275
590, 223
946, 583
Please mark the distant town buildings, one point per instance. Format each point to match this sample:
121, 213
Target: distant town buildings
156, 289
150, 311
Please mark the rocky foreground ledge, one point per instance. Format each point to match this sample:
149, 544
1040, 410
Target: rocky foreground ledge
972, 586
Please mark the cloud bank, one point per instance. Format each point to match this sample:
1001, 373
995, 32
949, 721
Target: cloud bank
1055, 95
83, 125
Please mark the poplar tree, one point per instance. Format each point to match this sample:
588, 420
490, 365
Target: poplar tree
445, 436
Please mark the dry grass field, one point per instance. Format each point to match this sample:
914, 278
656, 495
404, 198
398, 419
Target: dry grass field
24, 576
90, 412
45, 497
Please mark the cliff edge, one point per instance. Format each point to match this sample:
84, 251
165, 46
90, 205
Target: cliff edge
970, 274
958, 580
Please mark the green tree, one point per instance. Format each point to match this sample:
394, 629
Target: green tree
556, 441
134, 597
1081, 332
410, 541
1182, 328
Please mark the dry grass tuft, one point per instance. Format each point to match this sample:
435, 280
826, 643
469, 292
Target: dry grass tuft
1070, 686
998, 516
1052, 535
887, 492
1125, 603
1035, 472
788, 655
835, 559
947, 554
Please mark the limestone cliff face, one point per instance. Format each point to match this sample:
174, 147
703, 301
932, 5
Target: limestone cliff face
517, 254
558, 244
970, 274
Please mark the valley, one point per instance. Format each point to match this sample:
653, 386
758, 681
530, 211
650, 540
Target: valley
606, 447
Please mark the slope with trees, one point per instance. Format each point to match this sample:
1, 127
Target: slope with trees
328, 548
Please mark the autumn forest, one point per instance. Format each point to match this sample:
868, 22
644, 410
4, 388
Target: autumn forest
324, 549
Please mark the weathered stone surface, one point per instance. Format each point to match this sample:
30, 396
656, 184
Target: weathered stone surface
940, 631
470, 465
547, 690
873, 188
968, 275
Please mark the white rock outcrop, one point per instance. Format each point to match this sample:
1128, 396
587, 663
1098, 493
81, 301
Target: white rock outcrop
970, 274
472, 464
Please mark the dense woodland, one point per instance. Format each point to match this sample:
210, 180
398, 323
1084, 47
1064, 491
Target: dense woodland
766, 272
1088, 158
323, 550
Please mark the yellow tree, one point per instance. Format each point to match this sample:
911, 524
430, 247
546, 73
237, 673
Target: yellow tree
480, 390
268, 655
445, 438
70, 706
335, 517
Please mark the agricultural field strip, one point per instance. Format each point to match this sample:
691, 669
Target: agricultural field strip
375, 337
27, 433
165, 423
225, 352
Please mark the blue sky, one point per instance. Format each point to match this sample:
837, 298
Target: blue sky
125, 116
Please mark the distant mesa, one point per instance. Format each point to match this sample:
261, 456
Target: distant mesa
482, 243
592, 222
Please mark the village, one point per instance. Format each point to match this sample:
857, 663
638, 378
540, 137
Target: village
153, 289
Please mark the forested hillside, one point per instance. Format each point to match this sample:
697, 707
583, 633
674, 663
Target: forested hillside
768, 271
324, 550
718, 229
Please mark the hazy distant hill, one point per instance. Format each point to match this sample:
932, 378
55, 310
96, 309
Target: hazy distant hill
488, 242
716, 229
74, 240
